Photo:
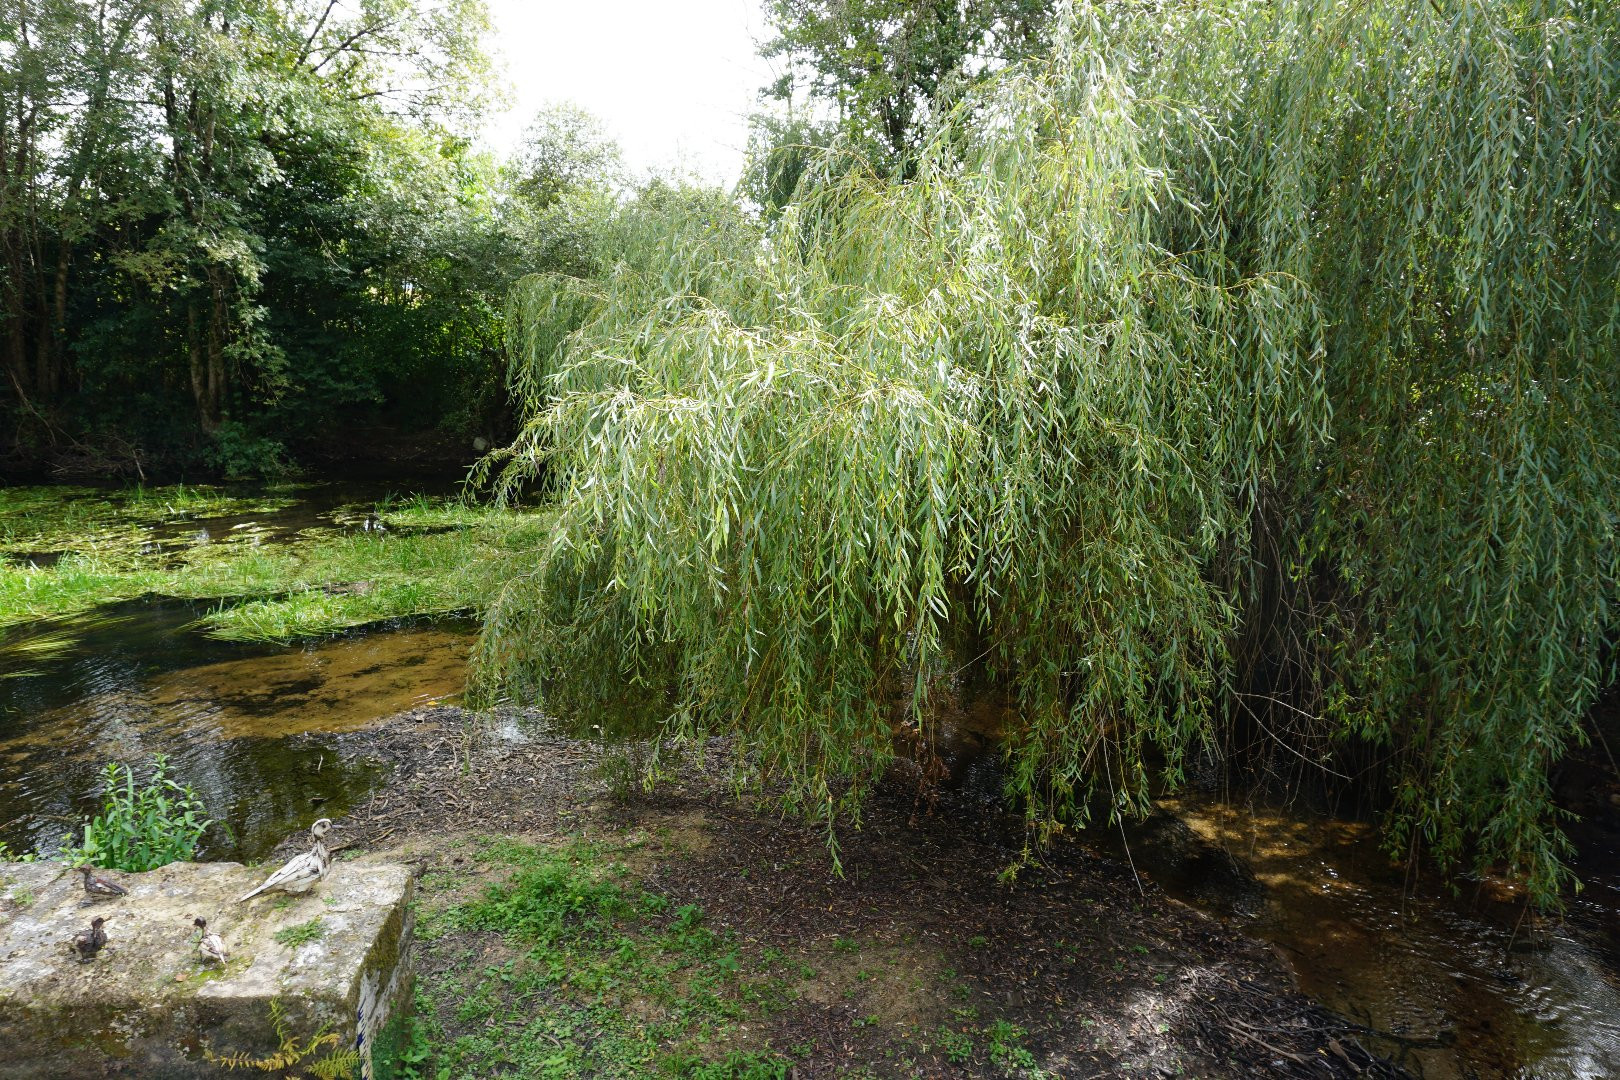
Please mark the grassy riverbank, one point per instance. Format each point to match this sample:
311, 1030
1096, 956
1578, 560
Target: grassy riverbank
608, 931
271, 576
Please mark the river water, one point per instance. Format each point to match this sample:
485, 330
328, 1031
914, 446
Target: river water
1457, 986
1453, 986
259, 730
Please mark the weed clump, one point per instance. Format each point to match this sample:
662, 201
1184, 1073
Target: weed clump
301, 933
142, 825
549, 896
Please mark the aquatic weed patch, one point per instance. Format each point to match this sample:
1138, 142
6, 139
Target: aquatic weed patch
125, 523
431, 557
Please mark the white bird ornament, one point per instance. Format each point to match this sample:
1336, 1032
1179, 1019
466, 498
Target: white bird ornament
301, 872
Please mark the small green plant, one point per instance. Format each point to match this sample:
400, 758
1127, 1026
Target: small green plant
142, 825
294, 1053
1006, 1045
625, 771
688, 934
734, 1066
403, 1051
301, 933
7, 855
958, 1045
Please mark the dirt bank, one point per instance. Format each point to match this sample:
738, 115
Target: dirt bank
921, 960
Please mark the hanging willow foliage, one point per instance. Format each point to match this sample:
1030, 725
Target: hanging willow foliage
1242, 351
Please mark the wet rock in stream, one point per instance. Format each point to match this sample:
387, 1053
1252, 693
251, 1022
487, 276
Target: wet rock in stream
1192, 867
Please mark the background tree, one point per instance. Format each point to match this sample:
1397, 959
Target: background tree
786, 152
229, 223
563, 149
885, 68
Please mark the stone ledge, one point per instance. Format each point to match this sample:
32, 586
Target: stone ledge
148, 1006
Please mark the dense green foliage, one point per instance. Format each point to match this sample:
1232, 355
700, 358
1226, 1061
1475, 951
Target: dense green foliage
228, 226
142, 826
883, 69
1244, 367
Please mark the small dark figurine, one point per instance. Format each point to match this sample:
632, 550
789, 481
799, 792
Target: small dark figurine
97, 887
209, 946
89, 942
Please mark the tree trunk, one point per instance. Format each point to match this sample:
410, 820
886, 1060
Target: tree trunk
196, 350
16, 315
56, 331
217, 329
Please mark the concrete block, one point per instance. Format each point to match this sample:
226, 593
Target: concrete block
148, 1006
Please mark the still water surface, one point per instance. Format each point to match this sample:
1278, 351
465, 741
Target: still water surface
1459, 986
258, 730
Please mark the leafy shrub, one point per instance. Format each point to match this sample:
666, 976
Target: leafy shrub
239, 453
142, 826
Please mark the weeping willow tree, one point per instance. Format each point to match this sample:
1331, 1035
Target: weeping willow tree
1242, 361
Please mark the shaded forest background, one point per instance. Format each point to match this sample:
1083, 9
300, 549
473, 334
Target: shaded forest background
239, 233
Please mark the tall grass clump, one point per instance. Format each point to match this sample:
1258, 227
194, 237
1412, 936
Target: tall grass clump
143, 824
1245, 368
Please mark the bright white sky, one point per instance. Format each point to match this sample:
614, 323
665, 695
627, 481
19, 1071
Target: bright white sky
673, 80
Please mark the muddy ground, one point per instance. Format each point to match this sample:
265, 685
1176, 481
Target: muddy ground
1104, 975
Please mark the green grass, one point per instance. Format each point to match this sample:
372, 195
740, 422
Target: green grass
301, 933
557, 961
436, 558
600, 977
